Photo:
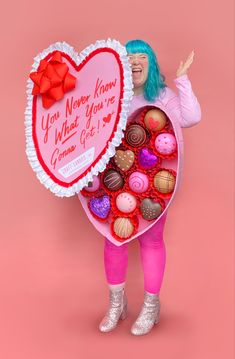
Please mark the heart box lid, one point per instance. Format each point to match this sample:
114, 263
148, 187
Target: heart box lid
77, 109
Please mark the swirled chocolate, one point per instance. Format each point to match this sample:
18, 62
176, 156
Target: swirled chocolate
135, 135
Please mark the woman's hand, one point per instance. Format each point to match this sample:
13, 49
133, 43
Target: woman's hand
183, 68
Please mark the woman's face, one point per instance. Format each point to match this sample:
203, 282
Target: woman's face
139, 64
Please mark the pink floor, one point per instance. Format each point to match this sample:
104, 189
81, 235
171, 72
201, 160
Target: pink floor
53, 292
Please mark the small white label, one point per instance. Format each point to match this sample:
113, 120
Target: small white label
75, 165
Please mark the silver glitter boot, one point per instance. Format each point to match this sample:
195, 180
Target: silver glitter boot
148, 316
117, 310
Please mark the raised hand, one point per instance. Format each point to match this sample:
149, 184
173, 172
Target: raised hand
183, 67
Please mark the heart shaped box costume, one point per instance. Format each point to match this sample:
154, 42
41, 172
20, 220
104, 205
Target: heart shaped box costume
86, 134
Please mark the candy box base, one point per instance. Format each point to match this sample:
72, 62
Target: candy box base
106, 227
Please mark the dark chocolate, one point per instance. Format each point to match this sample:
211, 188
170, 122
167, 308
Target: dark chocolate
149, 209
113, 180
135, 135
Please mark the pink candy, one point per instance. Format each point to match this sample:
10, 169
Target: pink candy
138, 182
94, 186
165, 143
126, 202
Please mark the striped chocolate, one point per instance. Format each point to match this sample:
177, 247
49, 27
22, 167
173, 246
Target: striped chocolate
113, 180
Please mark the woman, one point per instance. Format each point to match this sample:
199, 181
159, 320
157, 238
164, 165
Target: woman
149, 89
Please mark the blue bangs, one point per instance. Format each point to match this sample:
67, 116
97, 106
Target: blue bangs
155, 81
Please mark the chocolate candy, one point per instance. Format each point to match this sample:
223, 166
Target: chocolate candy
147, 159
100, 206
126, 202
113, 180
135, 135
138, 182
150, 209
164, 181
93, 185
123, 227
165, 143
155, 120
124, 159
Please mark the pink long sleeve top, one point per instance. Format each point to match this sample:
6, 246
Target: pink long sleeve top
184, 107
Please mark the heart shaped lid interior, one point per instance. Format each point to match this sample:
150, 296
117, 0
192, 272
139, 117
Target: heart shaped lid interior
76, 112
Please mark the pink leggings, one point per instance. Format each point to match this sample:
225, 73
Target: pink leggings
153, 257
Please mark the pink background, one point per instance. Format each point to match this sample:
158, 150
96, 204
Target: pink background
52, 286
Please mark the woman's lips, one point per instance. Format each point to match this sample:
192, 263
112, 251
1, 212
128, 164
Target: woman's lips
136, 73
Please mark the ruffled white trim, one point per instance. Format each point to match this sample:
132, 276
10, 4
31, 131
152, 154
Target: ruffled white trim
43, 177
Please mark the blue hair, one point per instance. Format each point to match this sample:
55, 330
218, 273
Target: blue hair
155, 81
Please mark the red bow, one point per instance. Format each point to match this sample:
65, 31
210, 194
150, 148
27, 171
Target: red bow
52, 80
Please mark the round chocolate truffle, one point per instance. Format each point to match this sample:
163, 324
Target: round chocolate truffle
150, 209
155, 120
93, 185
123, 227
126, 202
165, 143
138, 182
113, 180
135, 135
164, 181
